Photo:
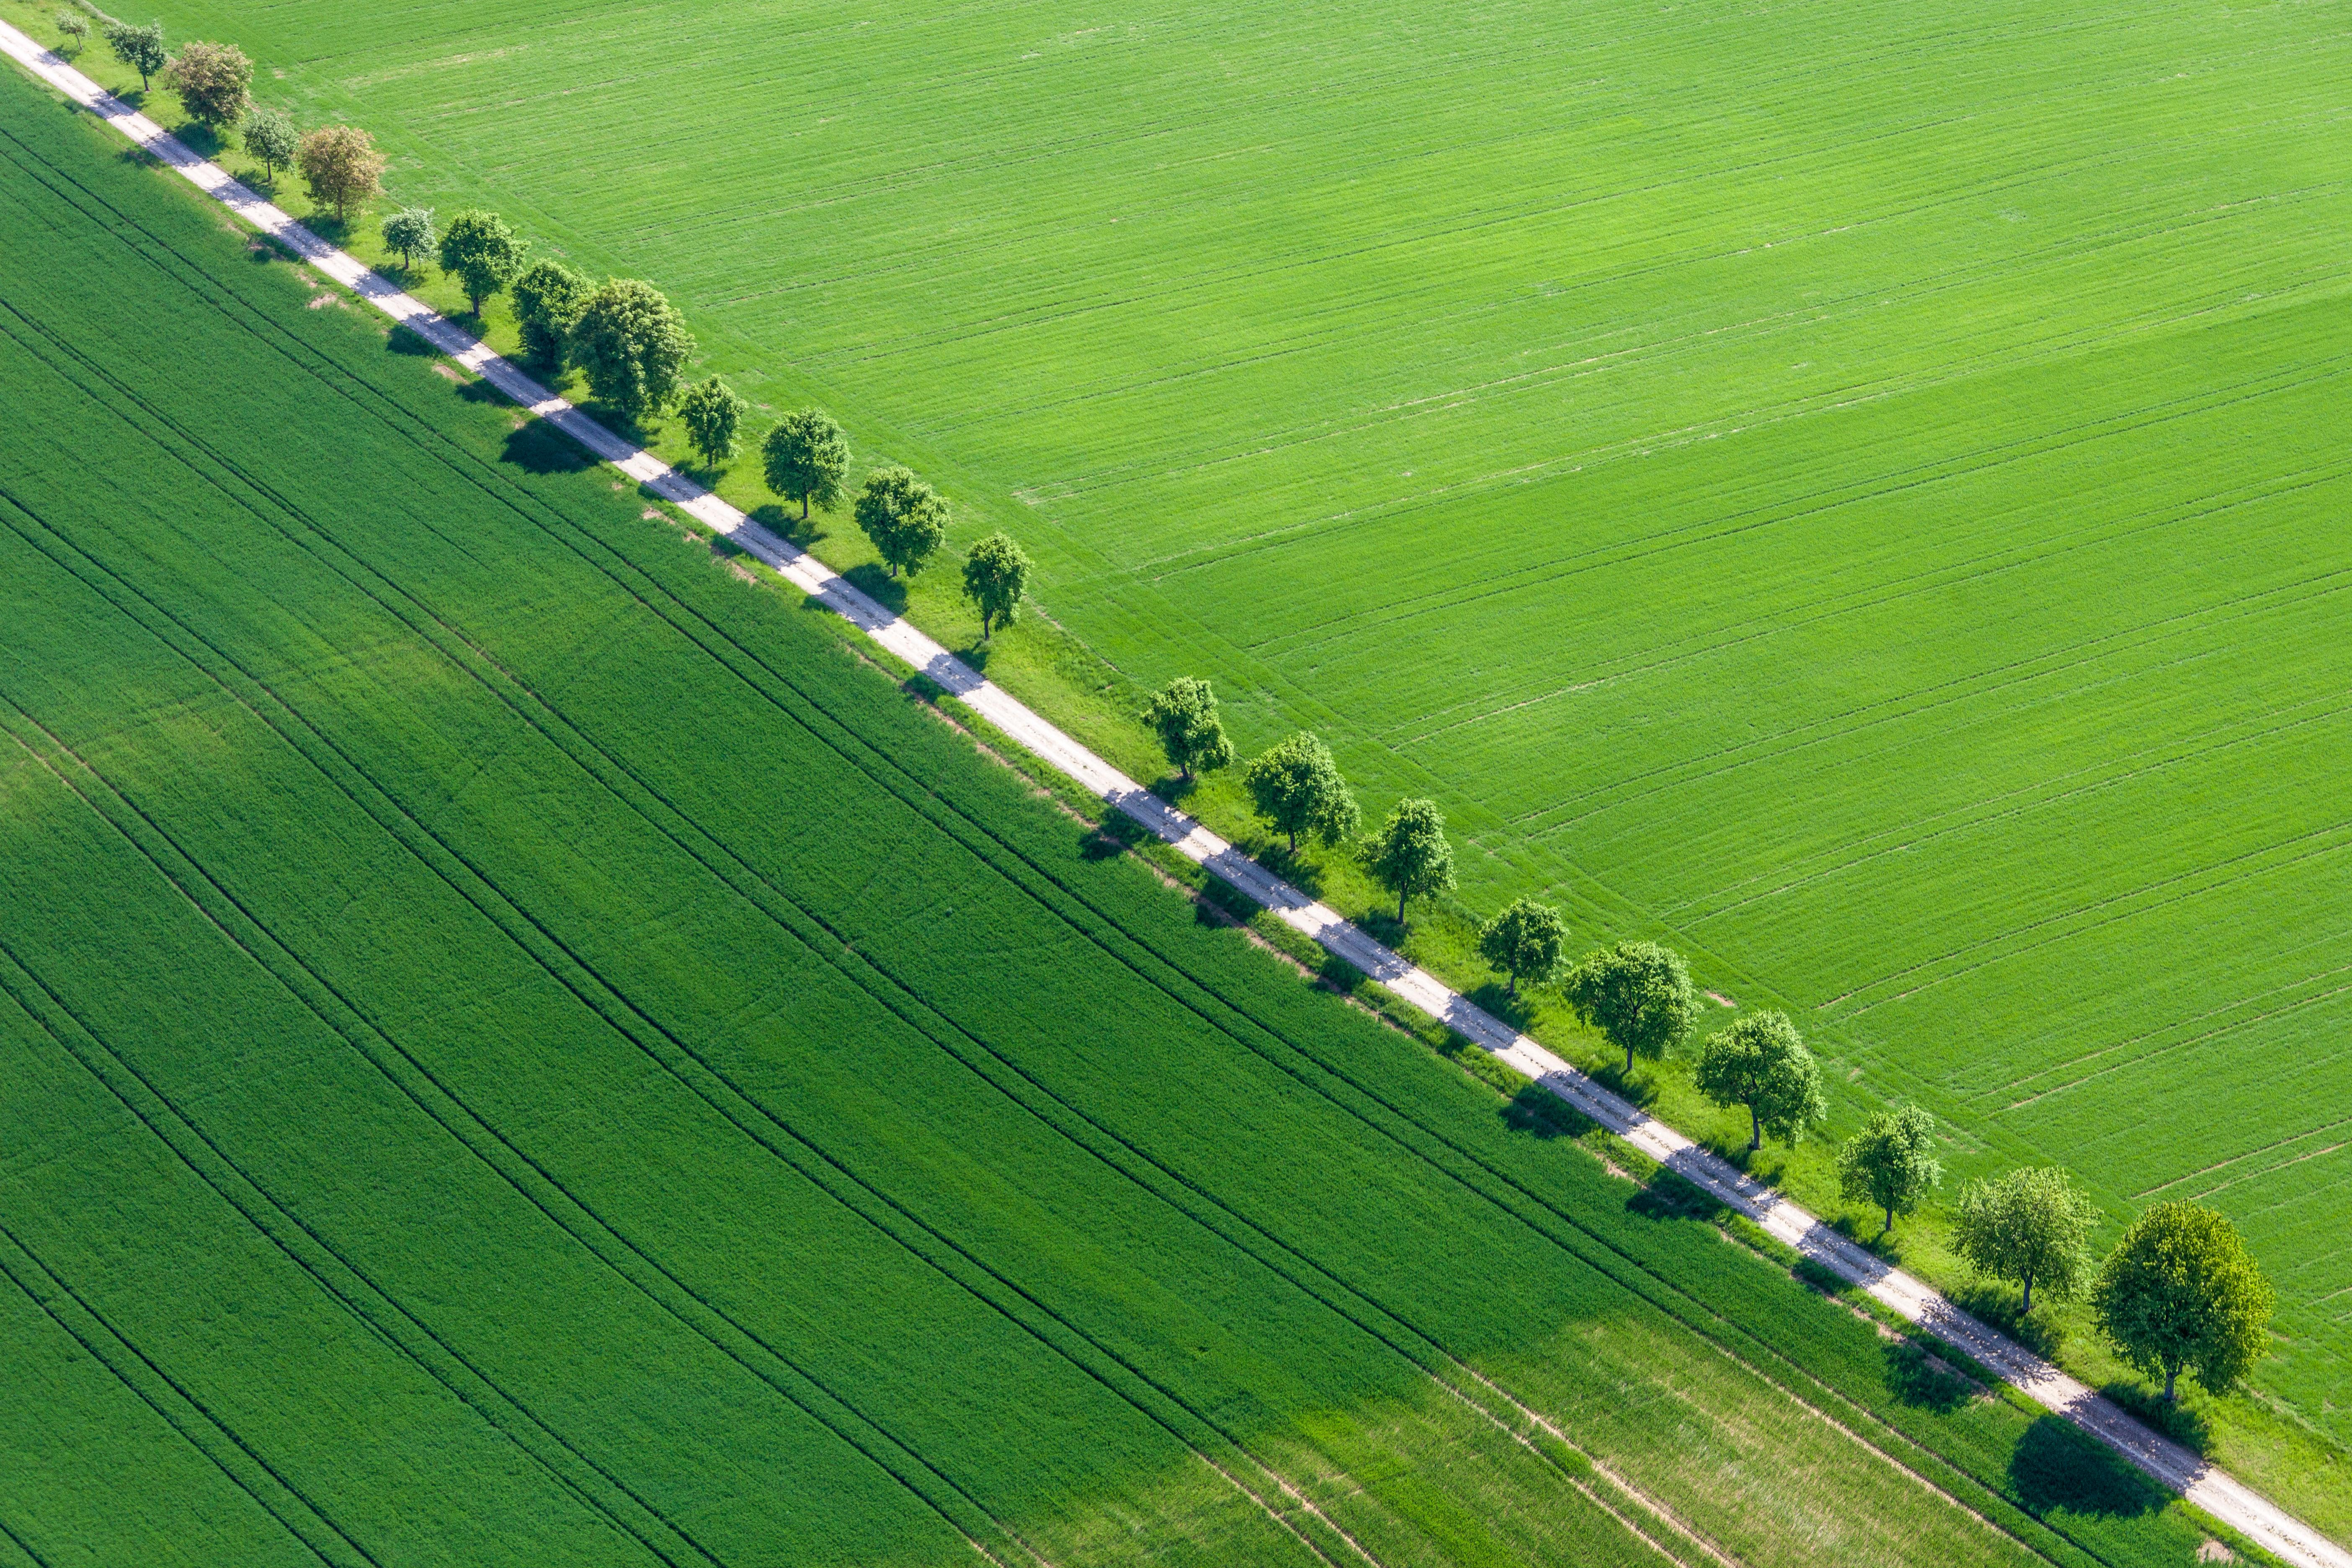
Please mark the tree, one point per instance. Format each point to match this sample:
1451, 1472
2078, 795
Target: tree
1184, 716
1761, 1062
1637, 993
711, 412
409, 234
141, 48
1526, 942
1410, 855
269, 135
1297, 788
212, 81
482, 253
903, 516
2179, 1293
73, 29
631, 343
807, 457
2031, 1227
1891, 1163
995, 575
341, 165
548, 297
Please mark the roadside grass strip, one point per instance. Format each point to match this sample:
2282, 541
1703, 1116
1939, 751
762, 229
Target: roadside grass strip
667, 828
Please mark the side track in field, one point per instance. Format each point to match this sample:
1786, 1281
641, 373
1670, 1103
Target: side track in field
2208, 1487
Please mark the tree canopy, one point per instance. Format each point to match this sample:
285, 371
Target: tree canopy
1638, 993
341, 165
74, 26
1408, 855
1184, 714
711, 412
1761, 1062
213, 81
2180, 1293
806, 458
481, 253
269, 135
904, 517
995, 575
1295, 786
1891, 1163
548, 298
631, 343
409, 234
141, 48
1526, 942
2030, 1226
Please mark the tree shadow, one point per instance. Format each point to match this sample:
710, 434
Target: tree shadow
401, 340
976, 654
1612, 1076
479, 390
1917, 1376
1117, 833
1537, 1110
2057, 1465
873, 580
1174, 788
1997, 1305
1669, 1196
335, 231
201, 138
785, 523
539, 448
2188, 1428
1495, 998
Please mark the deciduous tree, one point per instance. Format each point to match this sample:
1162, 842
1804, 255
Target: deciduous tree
1184, 714
213, 81
1295, 786
141, 48
631, 343
409, 234
995, 575
1410, 855
905, 518
269, 135
806, 458
1637, 993
1761, 1062
548, 297
2180, 1293
1891, 1163
2030, 1226
73, 29
1526, 942
341, 166
481, 253
711, 412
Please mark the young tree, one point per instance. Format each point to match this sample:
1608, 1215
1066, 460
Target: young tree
903, 516
995, 575
1184, 716
141, 48
2181, 1294
409, 234
73, 27
711, 412
807, 457
2031, 1227
482, 254
1526, 942
631, 343
269, 135
548, 299
1891, 1163
212, 81
1295, 786
1638, 993
341, 165
1761, 1062
1410, 855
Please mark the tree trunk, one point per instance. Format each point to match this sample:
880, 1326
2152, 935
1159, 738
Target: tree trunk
1512, 988
1755, 1130
1629, 1061
1400, 907
1294, 841
2171, 1374
2029, 1297
1890, 1220
804, 509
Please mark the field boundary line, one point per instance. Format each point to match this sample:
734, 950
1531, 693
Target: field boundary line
2203, 1484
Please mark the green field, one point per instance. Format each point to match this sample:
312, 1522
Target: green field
517, 1046
1856, 488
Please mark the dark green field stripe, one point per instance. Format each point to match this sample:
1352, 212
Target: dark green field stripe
9, 1533
185, 1413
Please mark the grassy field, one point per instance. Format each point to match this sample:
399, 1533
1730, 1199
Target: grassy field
519, 1047
1850, 487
